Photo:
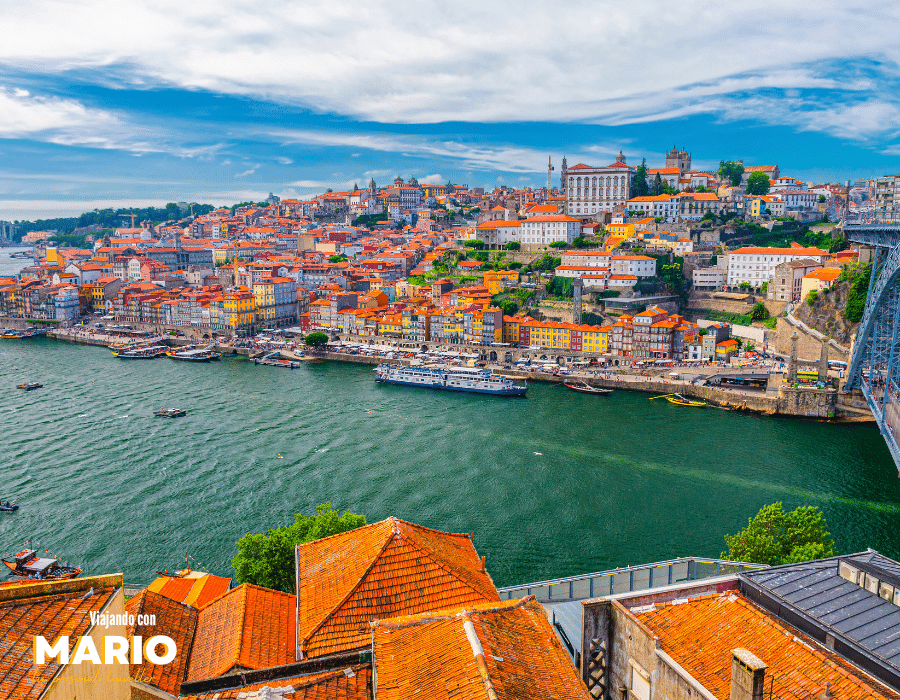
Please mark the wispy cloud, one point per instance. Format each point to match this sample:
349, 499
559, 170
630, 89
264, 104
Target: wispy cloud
479, 63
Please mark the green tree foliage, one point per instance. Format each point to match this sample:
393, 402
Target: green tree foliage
775, 537
812, 296
759, 312
758, 183
113, 218
639, 185
508, 306
513, 245
838, 244
369, 219
558, 244
731, 172
514, 265
337, 258
480, 256
546, 262
268, 560
580, 242
561, 287
859, 290
317, 339
475, 244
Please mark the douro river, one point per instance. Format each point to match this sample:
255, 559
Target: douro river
552, 485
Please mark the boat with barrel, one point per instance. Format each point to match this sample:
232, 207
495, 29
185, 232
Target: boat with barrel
147, 352
30, 386
474, 380
193, 354
8, 506
29, 564
170, 413
585, 388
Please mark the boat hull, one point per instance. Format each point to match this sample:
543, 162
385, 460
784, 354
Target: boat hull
515, 391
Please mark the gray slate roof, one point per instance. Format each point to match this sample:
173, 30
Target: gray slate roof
815, 589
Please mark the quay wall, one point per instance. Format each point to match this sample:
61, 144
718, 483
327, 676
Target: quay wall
789, 401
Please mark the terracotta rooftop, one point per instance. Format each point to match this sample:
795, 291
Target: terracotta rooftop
350, 683
174, 620
700, 634
247, 628
378, 571
37, 610
509, 652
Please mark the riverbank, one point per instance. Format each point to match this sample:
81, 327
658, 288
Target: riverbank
787, 401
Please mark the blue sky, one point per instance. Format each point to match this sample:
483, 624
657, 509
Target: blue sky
227, 101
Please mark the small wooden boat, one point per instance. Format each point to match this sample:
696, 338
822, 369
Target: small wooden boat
28, 564
170, 412
29, 386
8, 506
584, 388
680, 400
146, 353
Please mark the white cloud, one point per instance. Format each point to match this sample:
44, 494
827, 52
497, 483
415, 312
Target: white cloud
603, 61
283, 160
245, 173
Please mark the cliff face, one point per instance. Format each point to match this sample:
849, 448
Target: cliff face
826, 314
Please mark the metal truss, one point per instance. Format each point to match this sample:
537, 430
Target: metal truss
875, 365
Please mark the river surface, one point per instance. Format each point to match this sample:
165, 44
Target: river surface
552, 485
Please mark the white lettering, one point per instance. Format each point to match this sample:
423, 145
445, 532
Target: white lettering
137, 648
85, 651
115, 649
42, 650
150, 650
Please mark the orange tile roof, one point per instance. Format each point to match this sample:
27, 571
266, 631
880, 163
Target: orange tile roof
378, 571
50, 616
248, 627
174, 620
350, 683
701, 633
516, 655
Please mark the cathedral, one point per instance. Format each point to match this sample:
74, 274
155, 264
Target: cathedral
680, 160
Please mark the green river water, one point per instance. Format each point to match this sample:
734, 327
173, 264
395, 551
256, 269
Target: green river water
619, 479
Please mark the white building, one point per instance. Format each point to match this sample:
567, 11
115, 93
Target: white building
796, 199
757, 265
593, 189
659, 206
549, 228
637, 265
582, 271
709, 278
586, 258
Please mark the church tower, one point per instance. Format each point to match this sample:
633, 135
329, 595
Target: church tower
562, 175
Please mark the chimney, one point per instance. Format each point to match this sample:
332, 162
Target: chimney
748, 676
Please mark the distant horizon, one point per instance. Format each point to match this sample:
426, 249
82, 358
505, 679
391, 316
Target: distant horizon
152, 104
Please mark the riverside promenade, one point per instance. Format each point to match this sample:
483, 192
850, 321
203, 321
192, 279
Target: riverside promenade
783, 400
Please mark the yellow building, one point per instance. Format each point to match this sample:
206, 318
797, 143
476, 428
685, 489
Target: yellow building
238, 308
624, 230
264, 299
595, 338
496, 280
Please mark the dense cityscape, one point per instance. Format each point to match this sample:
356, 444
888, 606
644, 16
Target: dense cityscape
737, 288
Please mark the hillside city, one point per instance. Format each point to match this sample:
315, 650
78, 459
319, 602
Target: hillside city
448, 265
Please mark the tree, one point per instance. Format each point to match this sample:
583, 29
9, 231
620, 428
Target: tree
775, 537
268, 560
639, 186
657, 185
474, 243
731, 172
337, 258
558, 244
759, 312
513, 245
822, 199
758, 183
317, 339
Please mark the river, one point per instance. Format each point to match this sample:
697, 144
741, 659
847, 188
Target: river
552, 485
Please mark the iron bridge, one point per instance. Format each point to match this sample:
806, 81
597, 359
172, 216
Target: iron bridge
875, 363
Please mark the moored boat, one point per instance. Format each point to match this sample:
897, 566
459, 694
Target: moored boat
143, 353
196, 355
29, 386
473, 380
28, 564
680, 400
584, 388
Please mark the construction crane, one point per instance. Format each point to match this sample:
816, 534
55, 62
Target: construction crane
133, 217
549, 172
